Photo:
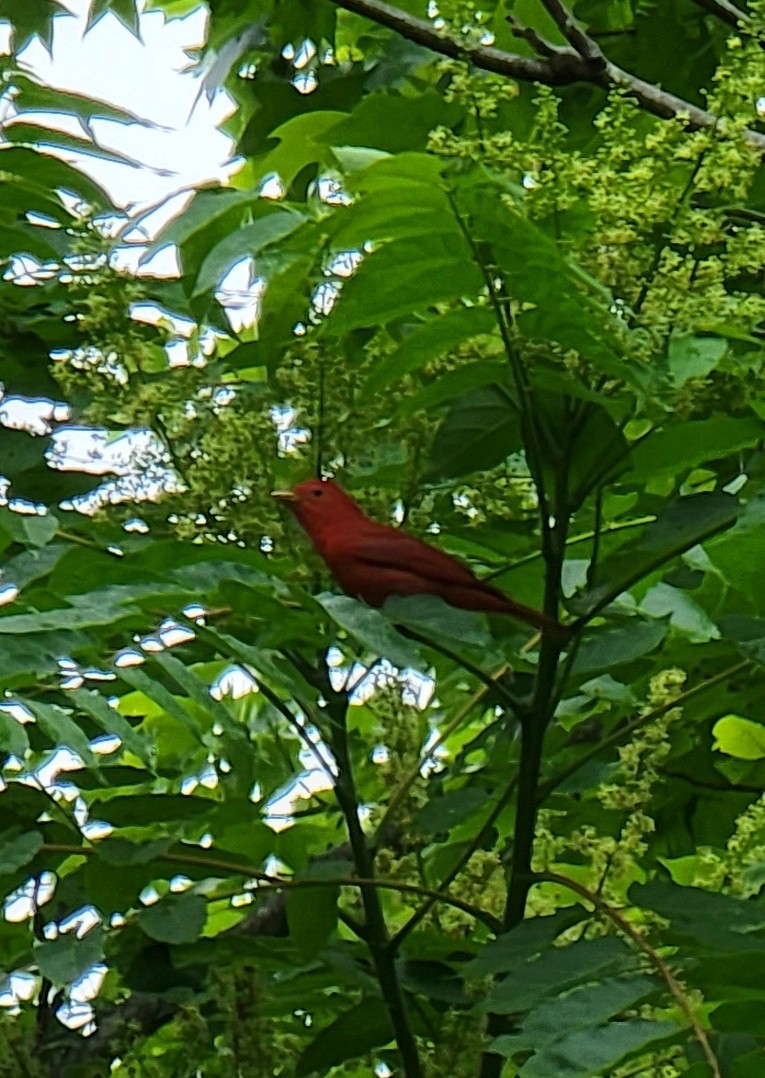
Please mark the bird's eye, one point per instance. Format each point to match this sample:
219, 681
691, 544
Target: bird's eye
317, 493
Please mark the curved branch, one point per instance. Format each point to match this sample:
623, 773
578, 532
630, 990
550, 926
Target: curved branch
577, 38
726, 11
279, 883
563, 67
673, 985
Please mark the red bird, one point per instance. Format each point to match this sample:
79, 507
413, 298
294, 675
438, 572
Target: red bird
374, 561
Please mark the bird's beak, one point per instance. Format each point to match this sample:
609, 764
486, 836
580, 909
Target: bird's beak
284, 495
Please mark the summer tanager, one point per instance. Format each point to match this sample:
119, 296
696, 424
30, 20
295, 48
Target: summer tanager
374, 561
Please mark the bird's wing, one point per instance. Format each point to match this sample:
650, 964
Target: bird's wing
392, 549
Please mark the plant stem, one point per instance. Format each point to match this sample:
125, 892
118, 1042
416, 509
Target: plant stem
534, 723
376, 932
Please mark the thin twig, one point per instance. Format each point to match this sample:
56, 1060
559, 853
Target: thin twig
528, 33
666, 974
582, 537
268, 881
375, 933
292, 721
578, 39
411, 776
457, 867
488, 680
623, 732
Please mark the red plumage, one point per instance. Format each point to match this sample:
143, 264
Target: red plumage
374, 561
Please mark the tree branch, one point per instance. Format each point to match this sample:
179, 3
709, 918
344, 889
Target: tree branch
579, 40
375, 929
726, 11
563, 67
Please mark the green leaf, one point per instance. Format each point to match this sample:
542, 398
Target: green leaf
512, 949
17, 851
436, 337
684, 613
250, 240
139, 809
59, 726
694, 357
35, 531
436, 619
110, 721
479, 432
389, 122
681, 525
678, 449
721, 923
13, 736
66, 958
609, 647
370, 628
442, 813
118, 851
46, 172
403, 277
302, 141
456, 383
157, 692
590, 1052
175, 918
530, 260
356, 1032
586, 1006
312, 911
557, 970
739, 737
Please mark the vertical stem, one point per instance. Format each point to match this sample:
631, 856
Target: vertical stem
375, 929
533, 728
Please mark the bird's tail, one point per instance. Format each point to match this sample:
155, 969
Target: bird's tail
555, 629
485, 597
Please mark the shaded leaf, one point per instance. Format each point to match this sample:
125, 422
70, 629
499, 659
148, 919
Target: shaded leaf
66, 958
370, 628
353, 1034
479, 432
426, 342
17, 851
175, 918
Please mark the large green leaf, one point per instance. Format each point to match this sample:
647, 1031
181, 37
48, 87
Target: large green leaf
312, 911
66, 958
370, 628
480, 431
436, 337
353, 1034
678, 449
175, 918
18, 850
589, 1052
681, 525
557, 970
722, 923
252, 239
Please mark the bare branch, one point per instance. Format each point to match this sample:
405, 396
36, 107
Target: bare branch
726, 11
528, 33
579, 40
563, 67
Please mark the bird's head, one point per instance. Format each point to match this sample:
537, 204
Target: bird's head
319, 504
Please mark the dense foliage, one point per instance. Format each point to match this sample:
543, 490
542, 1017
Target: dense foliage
509, 277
